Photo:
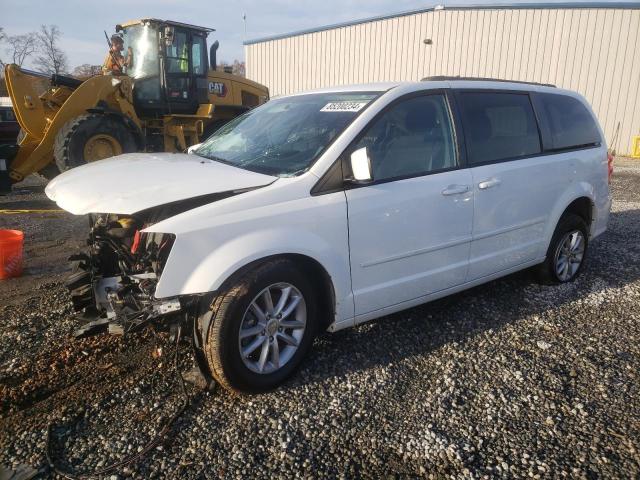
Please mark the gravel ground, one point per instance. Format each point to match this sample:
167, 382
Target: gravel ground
509, 379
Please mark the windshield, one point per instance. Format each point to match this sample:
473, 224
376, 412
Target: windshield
141, 50
284, 136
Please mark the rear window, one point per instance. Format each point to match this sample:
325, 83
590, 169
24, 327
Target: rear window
498, 126
570, 123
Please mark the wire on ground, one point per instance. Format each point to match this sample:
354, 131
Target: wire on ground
154, 442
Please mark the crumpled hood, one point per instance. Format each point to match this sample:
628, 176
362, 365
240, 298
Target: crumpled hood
133, 182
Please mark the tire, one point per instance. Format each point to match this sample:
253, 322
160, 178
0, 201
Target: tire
230, 311
549, 271
94, 135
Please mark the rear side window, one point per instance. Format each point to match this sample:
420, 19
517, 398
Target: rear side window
569, 123
498, 126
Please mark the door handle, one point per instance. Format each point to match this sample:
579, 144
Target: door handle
455, 190
492, 182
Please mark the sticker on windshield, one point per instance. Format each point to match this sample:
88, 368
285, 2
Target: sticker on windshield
343, 106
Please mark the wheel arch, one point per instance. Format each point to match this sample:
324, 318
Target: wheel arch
583, 207
578, 200
316, 272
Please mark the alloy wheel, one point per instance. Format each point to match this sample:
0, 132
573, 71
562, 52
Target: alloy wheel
272, 328
569, 255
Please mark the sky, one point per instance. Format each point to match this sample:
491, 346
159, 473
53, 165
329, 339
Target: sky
82, 21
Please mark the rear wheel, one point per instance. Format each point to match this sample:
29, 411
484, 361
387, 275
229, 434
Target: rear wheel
567, 251
89, 138
261, 328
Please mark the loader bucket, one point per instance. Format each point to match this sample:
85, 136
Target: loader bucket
43, 115
25, 89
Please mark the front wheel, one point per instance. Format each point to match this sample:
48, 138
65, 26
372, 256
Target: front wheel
567, 251
89, 138
261, 327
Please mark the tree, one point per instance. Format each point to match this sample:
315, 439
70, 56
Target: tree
239, 68
86, 70
2, 36
20, 47
51, 58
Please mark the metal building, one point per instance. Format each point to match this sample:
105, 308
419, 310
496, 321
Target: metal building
589, 47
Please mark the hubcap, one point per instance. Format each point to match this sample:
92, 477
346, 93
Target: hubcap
569, 255
101, 146
272, 328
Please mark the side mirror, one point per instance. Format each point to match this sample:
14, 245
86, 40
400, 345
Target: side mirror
361, 166
191, 149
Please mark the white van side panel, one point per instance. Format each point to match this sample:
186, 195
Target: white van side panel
210, 245
511, 218
588, 179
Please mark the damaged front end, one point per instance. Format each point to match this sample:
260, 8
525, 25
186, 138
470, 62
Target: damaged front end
113, 284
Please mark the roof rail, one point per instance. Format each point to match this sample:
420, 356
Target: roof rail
440, 78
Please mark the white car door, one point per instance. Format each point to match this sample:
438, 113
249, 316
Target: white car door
515, 188
409, 230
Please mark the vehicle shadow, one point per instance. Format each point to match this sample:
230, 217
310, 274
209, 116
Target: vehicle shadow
612, 263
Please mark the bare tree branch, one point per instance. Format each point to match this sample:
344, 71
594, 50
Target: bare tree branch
2, 37
86, 71
51, 58
239, 68
21, 47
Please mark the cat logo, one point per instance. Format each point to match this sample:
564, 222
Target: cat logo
218, 88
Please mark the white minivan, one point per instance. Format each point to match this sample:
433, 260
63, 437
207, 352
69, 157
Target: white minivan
322, 210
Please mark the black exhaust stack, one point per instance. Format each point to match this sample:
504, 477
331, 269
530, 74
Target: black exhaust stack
212, 55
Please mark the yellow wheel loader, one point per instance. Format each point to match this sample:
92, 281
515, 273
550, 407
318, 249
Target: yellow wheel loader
170, 96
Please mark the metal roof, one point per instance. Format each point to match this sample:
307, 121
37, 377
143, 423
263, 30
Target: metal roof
434, 7
168, 22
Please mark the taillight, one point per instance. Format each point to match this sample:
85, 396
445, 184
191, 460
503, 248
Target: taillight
610, 166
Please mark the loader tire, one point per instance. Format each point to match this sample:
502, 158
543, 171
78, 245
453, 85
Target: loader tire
89, 138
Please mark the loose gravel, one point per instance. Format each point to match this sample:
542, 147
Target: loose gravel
507, 380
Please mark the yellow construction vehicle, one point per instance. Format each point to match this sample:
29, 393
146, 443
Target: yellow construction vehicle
170, 96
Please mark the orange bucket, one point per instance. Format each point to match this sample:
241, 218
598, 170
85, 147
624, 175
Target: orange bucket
11, 253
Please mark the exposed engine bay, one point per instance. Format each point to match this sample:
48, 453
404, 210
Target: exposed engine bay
113, 284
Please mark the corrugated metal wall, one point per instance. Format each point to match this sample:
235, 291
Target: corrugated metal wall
591, 50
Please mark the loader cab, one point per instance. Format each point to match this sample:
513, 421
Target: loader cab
169, 65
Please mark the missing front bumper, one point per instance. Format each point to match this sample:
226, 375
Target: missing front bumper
118, 305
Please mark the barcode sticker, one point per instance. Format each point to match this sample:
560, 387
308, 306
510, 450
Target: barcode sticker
343, 106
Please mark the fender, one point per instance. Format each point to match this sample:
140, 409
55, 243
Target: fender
187, 273
575, 191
